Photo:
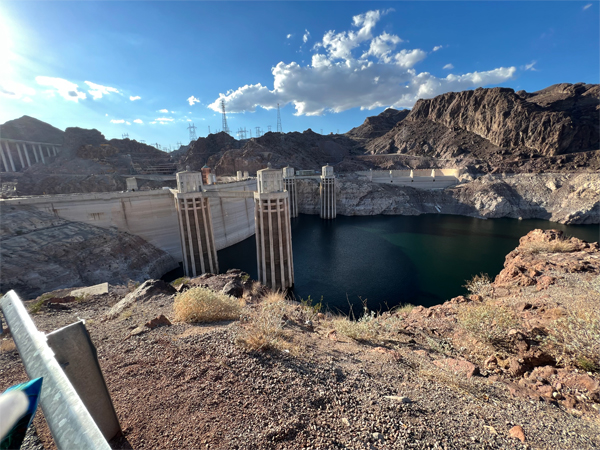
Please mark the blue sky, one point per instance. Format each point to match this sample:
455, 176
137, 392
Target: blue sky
150, 69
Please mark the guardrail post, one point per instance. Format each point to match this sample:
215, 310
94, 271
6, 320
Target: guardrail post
70, 423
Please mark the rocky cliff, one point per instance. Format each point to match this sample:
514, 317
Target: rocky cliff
559, 119
563, 198
41, 252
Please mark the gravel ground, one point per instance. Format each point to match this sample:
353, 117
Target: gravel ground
193, 387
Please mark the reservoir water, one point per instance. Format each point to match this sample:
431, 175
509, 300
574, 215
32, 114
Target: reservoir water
390, 260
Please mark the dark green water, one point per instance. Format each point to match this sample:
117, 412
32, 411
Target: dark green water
389, 260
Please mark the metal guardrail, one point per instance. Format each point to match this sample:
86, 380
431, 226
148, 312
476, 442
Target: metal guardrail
69, 421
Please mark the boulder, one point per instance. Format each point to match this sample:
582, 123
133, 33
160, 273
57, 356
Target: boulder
233, 288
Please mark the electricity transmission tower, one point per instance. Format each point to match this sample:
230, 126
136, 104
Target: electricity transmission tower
125, 136
209, 129
279, 129
142, 141
225, 126
192, 130
258, 132
269, 128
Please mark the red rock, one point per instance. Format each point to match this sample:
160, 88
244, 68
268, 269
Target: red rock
516, 368
458, 366
517, 432
546, 390
158, 322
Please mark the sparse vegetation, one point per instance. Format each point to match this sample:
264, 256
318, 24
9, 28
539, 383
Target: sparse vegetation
81, 298
488, 322
480, 285
263, 329
362, 329
132, 285
403, 308
204, 305
556, 246
37, 306
179, 281
575, 339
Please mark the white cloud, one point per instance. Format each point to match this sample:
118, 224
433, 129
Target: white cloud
133, 99
153, 122
306, 36
337, 79
97, 90
437, 47
288, 36
106, 115
164, 119
163, 110
530, 66
128, 123
16, 91
66, 89
172, 112
27, 99
193, 100
448, 67
117, 121
189, 120
589, 5
138, 121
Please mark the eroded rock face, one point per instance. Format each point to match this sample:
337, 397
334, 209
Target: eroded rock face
31, 129
563, 198
41, 253
559, 119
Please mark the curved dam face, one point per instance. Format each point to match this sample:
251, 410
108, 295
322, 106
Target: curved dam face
151, 214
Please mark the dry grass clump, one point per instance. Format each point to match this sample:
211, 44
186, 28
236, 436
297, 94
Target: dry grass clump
403, 308
556, 246
487, 322
480, 284
575, 339
263, 327
204, 305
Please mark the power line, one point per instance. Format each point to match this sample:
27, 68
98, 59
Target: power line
279, 129
192, 130
225, 126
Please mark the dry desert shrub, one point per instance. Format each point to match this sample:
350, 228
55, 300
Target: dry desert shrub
403, 308
263, 329
480, 284
204, 305
557, 246
365, 328
487, 322
575, 339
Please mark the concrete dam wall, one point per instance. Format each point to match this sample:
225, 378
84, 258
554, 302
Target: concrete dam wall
152, 214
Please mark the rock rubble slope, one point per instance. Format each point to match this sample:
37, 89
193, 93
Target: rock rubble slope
423, 378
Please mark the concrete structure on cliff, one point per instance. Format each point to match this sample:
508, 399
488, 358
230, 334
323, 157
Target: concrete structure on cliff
33, 152
289, 183
273, 231
195, 225
327, 193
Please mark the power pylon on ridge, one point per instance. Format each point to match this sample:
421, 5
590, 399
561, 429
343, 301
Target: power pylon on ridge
225, 126
125, 136
258, 132
179, 144
192, 130
279, 129
269, 128
142, 141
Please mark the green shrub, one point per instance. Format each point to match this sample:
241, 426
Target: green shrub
179, 281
